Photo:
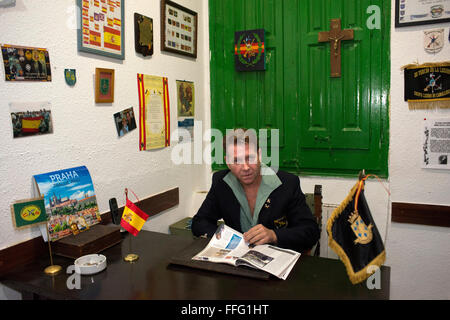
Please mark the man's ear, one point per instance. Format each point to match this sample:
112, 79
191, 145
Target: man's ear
226, 162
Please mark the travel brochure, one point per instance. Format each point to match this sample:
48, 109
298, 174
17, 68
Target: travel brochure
70, 201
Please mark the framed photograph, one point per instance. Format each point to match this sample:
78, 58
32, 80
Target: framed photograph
419, 12
186, 98
31, 118
178, 29
125, 121
102, 28
26, 63
143, 34
104, 85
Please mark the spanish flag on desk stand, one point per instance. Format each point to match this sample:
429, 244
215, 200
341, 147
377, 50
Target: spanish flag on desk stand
353, 235
133, 220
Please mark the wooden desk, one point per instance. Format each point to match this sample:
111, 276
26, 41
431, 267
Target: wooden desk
153, 278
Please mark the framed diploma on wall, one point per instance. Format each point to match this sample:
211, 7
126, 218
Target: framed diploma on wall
420, 12
178, 29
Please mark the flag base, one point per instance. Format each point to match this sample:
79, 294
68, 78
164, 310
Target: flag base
131, 257
53, 270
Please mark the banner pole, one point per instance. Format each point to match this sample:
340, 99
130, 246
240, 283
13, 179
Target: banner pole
52, 269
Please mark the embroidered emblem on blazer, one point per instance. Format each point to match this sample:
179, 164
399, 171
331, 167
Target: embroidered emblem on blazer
280, 223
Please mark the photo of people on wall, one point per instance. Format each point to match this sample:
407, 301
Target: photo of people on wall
125, 121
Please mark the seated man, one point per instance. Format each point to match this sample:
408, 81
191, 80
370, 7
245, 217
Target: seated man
265, 208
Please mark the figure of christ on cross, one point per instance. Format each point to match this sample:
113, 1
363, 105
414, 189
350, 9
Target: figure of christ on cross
335, 36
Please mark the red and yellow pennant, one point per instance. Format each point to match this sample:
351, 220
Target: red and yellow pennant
112, 38
31, 124
242, 49
133, 218
95, 38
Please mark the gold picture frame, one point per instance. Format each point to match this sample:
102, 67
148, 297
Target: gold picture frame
104, 85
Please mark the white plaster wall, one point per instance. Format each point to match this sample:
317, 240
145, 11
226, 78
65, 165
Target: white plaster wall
85, 133
418, 255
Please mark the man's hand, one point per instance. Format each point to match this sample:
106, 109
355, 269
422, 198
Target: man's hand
260, 235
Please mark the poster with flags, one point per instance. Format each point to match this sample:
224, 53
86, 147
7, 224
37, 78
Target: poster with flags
102, 28
353, 235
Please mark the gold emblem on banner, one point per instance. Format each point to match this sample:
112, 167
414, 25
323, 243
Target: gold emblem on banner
362, 232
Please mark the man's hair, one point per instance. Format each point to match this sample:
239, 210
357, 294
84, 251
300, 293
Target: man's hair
239, 136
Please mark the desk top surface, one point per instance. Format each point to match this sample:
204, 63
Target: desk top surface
153, 277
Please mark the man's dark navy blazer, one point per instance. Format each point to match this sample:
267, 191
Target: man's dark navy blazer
287, 213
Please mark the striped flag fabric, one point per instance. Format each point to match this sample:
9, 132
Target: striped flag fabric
133, 218
31, 124
112, 38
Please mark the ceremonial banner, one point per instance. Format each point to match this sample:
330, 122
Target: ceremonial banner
102, 28
427, 86
133, 218
353, 235
154, 112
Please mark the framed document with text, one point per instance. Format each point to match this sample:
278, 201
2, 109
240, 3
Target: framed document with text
420, 12
178, 29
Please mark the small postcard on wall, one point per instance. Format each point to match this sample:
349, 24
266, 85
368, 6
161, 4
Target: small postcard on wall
26, 63
30, 118
125, 121
436, 144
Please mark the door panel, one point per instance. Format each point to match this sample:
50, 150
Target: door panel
327, 126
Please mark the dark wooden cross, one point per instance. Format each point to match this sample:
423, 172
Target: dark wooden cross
335, 36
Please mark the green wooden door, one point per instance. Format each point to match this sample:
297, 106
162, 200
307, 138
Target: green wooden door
327, 126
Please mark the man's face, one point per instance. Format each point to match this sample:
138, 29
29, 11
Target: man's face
243, 162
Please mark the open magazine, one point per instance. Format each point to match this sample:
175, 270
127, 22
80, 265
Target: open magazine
228, 246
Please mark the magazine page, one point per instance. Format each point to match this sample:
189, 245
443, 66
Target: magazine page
227, 245
271, 259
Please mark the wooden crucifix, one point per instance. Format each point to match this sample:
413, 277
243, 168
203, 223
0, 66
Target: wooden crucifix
335, 36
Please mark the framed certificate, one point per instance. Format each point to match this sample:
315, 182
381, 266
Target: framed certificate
420, 12
178, 29
102, 27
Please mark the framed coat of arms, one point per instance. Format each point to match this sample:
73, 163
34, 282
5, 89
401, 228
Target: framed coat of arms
249, 50
143, 30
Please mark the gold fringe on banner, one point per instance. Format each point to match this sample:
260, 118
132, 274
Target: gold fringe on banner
426, 65
428, 104
363, 274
